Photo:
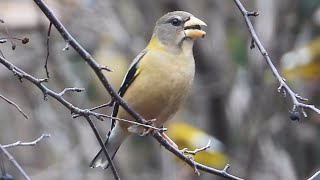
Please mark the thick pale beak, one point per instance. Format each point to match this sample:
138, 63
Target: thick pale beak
192, 28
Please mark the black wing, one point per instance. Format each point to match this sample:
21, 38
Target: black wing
129, 77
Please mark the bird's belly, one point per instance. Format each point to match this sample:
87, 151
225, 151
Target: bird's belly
157, 97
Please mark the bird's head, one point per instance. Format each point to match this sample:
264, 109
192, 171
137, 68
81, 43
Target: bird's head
177, 29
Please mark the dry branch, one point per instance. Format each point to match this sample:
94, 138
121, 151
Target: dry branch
283, 86
19, 143
15, 105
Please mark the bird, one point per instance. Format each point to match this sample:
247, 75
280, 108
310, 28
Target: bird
187, 136
158, 79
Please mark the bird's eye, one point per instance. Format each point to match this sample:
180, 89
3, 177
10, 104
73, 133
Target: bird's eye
176, 22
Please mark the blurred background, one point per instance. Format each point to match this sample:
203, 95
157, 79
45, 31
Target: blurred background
234, 101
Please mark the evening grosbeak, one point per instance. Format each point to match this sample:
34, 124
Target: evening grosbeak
157, 80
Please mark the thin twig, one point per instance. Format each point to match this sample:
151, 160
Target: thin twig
194, 152
48, 50
315, 176
283, 86
98, 115
15, 105
14, 162
32, 143
115, 173
13, 44
189, 161
70, 90
108, 104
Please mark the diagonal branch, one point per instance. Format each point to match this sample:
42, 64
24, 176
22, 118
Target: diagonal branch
19, 143
115, 173
15, 105
315, 176
14, 162
296, 99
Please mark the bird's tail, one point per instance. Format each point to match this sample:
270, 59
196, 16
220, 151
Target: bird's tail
114, 140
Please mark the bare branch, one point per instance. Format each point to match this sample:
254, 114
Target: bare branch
189, 161
48, 50
98, 115
315, 176
104, 149
14, 162
70, 90
194, 152
15, 105
32, 143
283, 86
108, 104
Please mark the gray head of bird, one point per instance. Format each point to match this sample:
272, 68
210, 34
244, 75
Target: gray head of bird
177, 29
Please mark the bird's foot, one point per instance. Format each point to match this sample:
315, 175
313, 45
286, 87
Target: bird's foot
148, 131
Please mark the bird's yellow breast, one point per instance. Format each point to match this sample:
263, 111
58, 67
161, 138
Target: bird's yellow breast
160, 87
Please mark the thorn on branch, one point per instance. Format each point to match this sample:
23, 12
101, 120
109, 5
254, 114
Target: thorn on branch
43, 80
186, 151
301, 98
303, 112
66, 47
196, 171
253, 13
106, 68
252, 45
70, 90
226, 168
283, 90
48, 50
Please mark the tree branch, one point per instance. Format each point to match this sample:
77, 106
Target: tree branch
283, 86
14, 162
194, 152
15, 105
32, 143
19, 143
315, 176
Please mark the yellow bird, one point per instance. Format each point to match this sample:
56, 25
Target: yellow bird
187, 136
158, 79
